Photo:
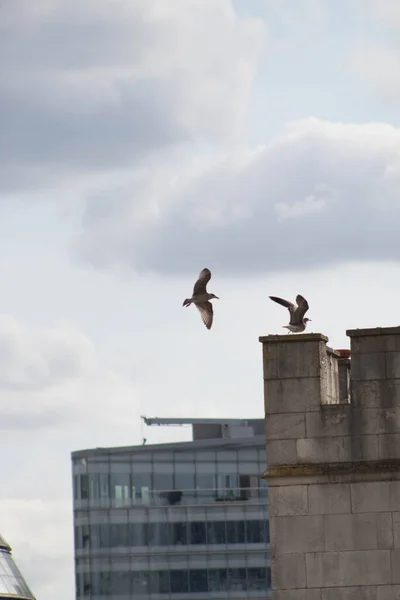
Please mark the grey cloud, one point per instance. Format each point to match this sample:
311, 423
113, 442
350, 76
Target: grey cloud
320, 193
100, 85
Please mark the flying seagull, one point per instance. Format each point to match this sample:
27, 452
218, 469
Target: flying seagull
297, 322
200, 298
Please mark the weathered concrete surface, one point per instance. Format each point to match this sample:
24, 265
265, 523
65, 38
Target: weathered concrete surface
333, 454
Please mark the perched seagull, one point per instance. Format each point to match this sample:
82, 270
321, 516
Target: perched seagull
297, 322
200, 298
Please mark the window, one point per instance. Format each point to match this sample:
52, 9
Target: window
84, 481
140, 583
159, 534
162, 481
119, 535
159, 582
105, 584
184, 481
138, 534
198, 581
104, 535
255, 532
179, 582
235, 532
216, 533
237, 579
197, 533
257, 578
120, 488
141, 483
217, 580
121, 583
178, 534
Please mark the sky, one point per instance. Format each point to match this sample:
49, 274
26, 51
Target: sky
139, 143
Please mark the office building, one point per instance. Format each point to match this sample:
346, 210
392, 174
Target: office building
186, 520
12, 584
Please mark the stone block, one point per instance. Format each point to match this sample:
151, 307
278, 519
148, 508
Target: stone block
384, 530
337, 449
389, 446
395, 561
371, 496
325, 569
295, 359
396, 528
281, 452
388, 592
371, 365
356, 568
393, 365
368, 567
305, 594
379, 343
288, 571
288, 500
376, 393
291, 535
292, 395
350, 593
330, 421
285, 426
329, 498
350, 532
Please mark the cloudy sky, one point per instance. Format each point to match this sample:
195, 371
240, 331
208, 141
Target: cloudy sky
140, 142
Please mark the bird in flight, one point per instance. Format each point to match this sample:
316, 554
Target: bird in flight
297, 322
201, 298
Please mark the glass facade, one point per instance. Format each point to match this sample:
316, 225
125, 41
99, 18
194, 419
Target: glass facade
187, 520
12, 584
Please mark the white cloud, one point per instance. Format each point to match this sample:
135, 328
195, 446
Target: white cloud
339, 181
53, 378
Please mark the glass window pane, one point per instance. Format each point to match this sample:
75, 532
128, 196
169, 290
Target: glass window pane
216, 533
235, 532
121, 583
257, 578
140, 583
138, 533
197, 533
162, 481
255, 532
104, 535
118, 535
84, 481
217, 580
159, 534
178, 534
237, 579
198, 581
179, 582
184, 481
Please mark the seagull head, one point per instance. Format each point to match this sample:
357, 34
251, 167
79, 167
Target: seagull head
210, 296
306, 319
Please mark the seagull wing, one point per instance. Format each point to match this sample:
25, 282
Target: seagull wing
289, 305
206, 312
301, 309
200, 287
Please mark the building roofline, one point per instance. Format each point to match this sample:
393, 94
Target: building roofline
219, 443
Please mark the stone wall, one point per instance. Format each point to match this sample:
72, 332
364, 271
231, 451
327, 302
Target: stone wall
333, 456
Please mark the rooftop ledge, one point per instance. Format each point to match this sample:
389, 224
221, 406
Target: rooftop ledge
373, 331
296, 337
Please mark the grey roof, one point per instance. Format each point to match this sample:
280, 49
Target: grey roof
207, 444
12, 584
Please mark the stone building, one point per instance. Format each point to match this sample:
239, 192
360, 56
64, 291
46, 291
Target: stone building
333, 456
